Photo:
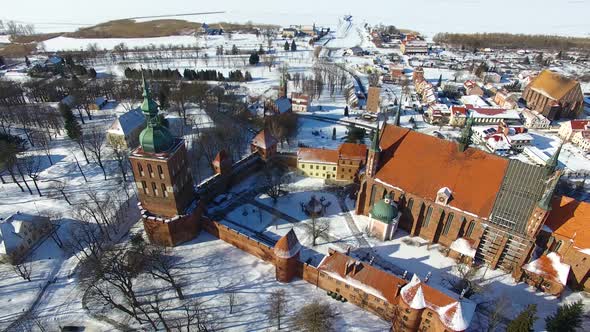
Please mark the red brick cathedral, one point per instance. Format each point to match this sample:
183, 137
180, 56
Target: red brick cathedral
167, 201
483, 207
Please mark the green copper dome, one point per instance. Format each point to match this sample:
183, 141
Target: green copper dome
383, 211
155, 138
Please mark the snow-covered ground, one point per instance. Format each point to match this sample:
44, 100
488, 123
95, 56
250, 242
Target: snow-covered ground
252, 219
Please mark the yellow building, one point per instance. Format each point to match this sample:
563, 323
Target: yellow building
341, 165
317, 163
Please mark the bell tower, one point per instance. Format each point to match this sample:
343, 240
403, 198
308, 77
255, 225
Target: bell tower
163, 179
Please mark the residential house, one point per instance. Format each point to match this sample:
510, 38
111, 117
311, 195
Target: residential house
98, 103
534, 120
503, 138
555, 96
582, 140
569, 128
124, 131
472, 88
19, 233
438, 113
299, 102
414, 47
506, 99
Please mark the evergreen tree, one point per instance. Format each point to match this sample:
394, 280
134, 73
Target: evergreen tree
71, 125
346, 110
524, 321
261, 50
248, 76
69, 60
567, 318
439, 81
334, 133
92, 73
234, 50
293, 46
2, 62
27, 61
254, 59
286, 46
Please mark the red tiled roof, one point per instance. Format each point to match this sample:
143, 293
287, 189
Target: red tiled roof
579, 124
488, 110
384, 283
571, 219
287, 246
317, 155
353, 151
421, 164
264, 140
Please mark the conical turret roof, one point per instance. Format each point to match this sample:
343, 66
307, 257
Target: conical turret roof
287, 246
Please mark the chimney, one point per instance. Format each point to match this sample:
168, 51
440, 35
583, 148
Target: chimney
398, 290
348, 267
356, 268
405, 274
427, 277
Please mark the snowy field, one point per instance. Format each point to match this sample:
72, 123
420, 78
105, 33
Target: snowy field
208, 273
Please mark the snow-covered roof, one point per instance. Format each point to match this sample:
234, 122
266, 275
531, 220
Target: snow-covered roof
463, 246
457, 316
12, 228
283, 104
413, 295
549, 266
100, 101
127, 123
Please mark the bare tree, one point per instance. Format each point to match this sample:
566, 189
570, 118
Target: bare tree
274, 179
43, 139
57, 189
277, 306
122, 157
96, 139
196, 317
163, 265
315, 317
496, 312
465, 280
317, 227
79, 167
232, 300
31, 164
24, 268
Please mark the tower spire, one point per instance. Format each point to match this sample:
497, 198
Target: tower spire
553, 162
155, 137
465, 138
545, 202
375, 140
397, 115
